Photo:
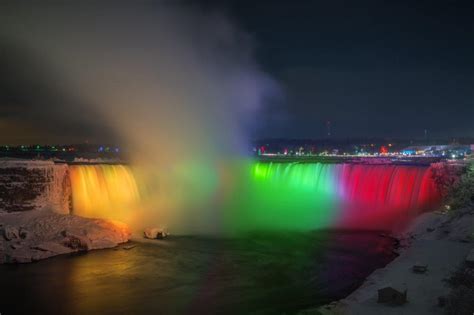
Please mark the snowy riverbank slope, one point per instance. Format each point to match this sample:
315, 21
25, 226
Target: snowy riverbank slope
33, 235
439, 240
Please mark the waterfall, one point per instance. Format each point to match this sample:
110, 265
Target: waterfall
273, 196
316, 195
103, 191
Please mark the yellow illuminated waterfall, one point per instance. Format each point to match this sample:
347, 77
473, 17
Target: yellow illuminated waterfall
103, 191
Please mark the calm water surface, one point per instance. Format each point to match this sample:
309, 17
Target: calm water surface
259, 274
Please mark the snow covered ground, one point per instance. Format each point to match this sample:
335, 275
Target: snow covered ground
439, 240
33, 235
34, 214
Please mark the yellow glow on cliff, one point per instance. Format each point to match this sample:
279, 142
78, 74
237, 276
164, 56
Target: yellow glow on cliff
103, 191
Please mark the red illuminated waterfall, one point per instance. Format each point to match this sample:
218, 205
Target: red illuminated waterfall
385, 196
305, 196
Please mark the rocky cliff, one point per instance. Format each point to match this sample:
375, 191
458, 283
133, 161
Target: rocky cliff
29, 236
31, 185
35, 219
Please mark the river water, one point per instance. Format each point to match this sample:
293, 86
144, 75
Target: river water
260, 274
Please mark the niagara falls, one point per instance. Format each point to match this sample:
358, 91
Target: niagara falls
228, 157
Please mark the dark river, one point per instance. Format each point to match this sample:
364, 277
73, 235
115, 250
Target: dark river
259, 274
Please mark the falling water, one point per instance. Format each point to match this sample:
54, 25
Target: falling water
315, 195
104, 191
273, 196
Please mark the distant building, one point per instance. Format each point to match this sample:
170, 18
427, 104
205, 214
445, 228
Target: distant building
447, 150
390, 295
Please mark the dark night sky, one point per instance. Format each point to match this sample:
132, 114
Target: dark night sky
373, 68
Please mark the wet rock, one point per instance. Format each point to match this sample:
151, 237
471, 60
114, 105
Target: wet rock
108, 234
52, 247
392, 296
420, 268
19, 256
76, 242
155, 233
102, 243
10, 232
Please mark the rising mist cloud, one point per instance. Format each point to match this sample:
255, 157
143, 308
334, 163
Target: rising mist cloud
176, 85
142, 70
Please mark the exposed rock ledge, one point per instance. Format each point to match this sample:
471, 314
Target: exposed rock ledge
34, 235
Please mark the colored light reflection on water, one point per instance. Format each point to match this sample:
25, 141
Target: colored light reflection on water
262, 273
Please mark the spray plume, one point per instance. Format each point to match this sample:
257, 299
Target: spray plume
178, 86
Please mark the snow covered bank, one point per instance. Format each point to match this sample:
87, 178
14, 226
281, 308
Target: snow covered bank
440, 240
35, 202
34, 235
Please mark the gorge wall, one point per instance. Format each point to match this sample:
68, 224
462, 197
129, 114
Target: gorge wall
31, 185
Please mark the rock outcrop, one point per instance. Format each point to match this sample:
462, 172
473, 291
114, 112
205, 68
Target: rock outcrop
34, 235
31, 185
155, 233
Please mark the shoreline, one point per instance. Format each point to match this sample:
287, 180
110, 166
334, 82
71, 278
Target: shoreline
30, 236
437, 239
441, 240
